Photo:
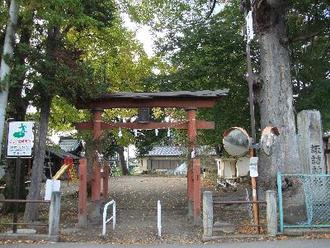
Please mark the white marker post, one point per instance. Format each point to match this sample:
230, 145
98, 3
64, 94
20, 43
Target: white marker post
159, 219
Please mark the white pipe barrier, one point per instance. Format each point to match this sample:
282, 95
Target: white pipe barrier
159, 219
113, 217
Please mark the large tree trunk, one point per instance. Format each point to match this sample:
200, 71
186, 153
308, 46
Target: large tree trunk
275, 96
4, 67
31, 209
122, 161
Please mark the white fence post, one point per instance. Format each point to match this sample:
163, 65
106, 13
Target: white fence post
159, 219
54, 214
208, 213
271, 212
113, 217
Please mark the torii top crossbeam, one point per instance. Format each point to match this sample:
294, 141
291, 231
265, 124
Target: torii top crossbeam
178, 99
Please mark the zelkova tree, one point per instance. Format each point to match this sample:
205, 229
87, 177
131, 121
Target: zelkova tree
275, 96
308, 26
272, 59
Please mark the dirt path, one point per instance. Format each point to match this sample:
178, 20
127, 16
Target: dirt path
136, 198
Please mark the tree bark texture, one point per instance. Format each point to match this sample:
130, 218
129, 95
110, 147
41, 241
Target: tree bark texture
4, 67
275, 95
31, 209
122, 161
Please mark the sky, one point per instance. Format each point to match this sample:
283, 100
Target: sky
142, 33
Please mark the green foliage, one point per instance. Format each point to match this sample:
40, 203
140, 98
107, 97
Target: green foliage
3, 22
210, 55
309, 31
64, 115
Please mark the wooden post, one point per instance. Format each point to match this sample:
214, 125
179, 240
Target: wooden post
208, 213
82, 205
97, 131
197, 191
54, 214
255, 206
192, 134
105, 182
190, 189
271, 212
17, 191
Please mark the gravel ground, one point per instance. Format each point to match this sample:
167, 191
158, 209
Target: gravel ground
136, 198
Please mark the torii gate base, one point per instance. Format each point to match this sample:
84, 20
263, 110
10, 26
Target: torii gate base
194, 191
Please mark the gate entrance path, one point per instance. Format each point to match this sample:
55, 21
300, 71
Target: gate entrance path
136, 198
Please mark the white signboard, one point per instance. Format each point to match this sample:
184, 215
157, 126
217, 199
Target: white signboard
51, 186
249, 27
20, 139
253, 167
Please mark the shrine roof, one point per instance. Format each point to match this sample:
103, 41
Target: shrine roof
184, 99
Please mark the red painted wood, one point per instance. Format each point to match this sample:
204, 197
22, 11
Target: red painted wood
97, 125
190, 191
192, 129
105, 182
82, 201
96, 182
97, 132
197, 190
192, 134
200, 124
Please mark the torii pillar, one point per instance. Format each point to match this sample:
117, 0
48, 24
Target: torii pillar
97, 132
193, 173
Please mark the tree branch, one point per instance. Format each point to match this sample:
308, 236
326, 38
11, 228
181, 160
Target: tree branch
305, 36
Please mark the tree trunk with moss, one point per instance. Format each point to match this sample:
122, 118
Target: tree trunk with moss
275, 93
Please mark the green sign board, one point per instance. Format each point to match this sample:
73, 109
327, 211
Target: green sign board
20, 139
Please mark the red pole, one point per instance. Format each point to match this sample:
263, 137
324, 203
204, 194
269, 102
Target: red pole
197, 190
192, 134
82, 204
97, 131
105, 182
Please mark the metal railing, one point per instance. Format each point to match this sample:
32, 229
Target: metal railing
313, 200
113, 217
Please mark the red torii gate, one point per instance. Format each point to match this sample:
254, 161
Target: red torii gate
190, 101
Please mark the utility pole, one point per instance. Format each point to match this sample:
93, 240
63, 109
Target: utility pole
247, 7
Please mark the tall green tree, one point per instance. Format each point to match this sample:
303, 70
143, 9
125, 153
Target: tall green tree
56, 67
309, 31
308, 22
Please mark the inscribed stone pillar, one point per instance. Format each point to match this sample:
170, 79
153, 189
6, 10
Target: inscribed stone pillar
310, 142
